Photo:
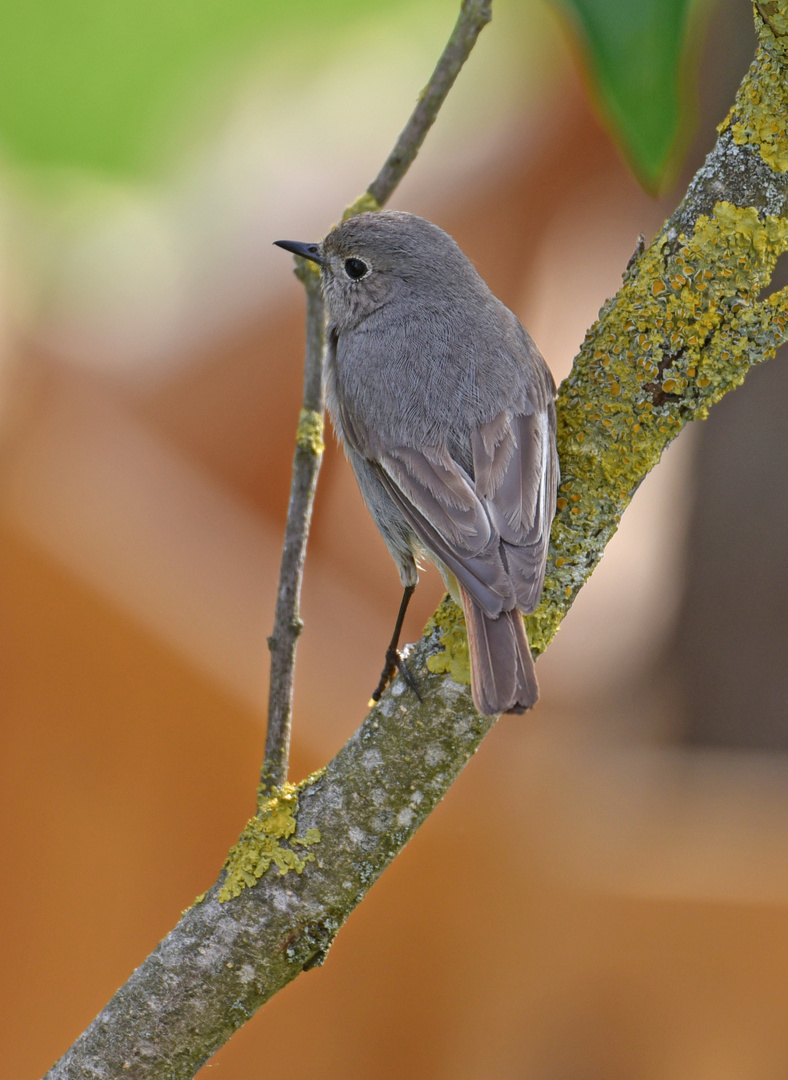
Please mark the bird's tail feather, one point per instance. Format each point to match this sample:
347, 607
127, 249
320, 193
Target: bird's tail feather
503, 678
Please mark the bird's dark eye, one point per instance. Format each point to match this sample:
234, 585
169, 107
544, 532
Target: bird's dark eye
356, 269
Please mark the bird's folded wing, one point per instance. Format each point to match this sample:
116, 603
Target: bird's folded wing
437, 498
516, 471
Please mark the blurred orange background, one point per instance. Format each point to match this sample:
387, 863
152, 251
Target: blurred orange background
604, 893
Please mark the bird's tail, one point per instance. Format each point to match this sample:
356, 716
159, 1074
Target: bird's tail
503, 678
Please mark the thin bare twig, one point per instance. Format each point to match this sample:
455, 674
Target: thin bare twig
474, 16
306, 466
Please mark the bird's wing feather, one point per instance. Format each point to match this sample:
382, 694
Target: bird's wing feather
437, 499
517, 477
492, 532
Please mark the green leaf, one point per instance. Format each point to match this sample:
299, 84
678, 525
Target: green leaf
635, 49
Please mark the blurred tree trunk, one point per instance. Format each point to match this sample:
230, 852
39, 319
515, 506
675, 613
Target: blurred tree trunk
729, 651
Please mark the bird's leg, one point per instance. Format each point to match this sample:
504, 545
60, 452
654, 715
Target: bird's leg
394, 661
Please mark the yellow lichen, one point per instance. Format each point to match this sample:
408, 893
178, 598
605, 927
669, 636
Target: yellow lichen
661, 356
260, 844
362, 205
309, 435
195, 903
453, 659
759, 115
775, 14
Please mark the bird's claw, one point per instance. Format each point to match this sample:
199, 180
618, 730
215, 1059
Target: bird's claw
394, 662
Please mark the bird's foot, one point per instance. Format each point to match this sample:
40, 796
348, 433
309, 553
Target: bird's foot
394, 662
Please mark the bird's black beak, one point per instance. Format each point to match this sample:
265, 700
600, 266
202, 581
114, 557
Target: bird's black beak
306, 251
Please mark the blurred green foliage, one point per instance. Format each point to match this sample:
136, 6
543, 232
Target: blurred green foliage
635, 50
89, 83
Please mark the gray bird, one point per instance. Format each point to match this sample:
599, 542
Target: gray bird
446, 411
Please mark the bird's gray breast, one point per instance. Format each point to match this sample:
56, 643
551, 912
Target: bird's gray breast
423, 375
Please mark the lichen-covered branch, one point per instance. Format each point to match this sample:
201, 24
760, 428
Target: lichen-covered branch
687, 324
684, 329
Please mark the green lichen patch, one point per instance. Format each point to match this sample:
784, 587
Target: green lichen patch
362, 205
260, 844
759, 116
309, 435
195, 902
453, 658
775, 14
684, 329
